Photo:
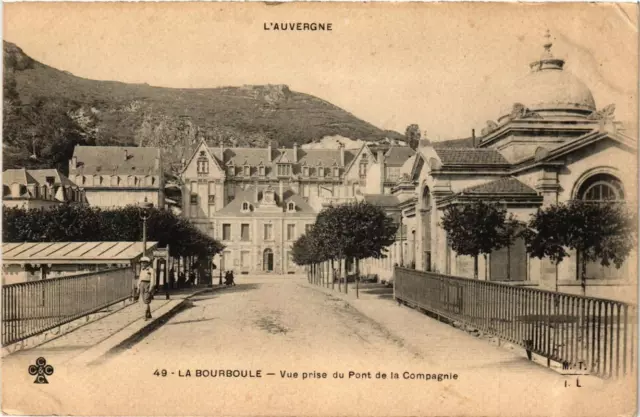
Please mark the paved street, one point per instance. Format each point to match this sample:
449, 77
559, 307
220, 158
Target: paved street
283, 324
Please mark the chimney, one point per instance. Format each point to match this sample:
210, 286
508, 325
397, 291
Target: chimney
269, 152
341, 154
157, 161
473, 137
126, 155
382, 173
295, 153
221, 152
281, 192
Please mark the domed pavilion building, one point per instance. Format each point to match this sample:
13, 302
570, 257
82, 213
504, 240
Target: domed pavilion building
552, 144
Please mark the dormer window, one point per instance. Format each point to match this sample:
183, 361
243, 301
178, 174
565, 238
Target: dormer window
231, 170
284, 170
246, 170
245, 207
320, 171
261, 170
305, 171
291, 206
203, 163
336, 172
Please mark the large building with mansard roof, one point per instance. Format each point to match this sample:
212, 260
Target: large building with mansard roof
553, 144
258, 201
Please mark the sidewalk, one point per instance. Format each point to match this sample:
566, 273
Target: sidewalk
440, 343
90, 342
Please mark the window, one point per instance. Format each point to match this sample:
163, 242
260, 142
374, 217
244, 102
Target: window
320, 171
291, 206
291, 232
231, 170
600, 188
336, 172
226, 231
193, 199
268, 232
284, 170
363, 168
245, 206
261, 170
305, 171
203, 163
245, 259
244, 232
247, 170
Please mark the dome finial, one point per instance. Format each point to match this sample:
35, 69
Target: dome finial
547, 61
548, 44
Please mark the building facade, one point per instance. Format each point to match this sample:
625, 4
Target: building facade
115, 176
258, 201
553, 145
38, 188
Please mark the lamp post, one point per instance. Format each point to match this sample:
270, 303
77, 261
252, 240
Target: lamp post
401, 249
413, 237
221, 264
145, 213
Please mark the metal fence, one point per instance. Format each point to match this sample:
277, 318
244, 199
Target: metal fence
592, 334
30, 308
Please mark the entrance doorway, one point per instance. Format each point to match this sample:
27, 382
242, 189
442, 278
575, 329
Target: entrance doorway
267, 263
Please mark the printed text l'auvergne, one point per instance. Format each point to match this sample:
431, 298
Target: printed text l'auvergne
298, 26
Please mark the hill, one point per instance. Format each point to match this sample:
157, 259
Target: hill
47, 111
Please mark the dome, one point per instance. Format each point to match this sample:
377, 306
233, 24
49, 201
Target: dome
551, 91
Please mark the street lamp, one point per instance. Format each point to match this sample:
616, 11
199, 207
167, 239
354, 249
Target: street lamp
413, 237
221, 263
145, 213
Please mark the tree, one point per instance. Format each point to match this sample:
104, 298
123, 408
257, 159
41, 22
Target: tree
602, 232
478, 228
412, 135
80, 223
348, 231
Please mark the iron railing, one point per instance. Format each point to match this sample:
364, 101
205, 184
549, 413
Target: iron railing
30, 308
592, 334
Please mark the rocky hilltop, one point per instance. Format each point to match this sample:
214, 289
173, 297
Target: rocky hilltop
48, 111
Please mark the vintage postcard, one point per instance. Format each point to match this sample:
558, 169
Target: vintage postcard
319, 209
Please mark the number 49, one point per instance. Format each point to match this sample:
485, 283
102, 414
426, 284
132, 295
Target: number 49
159, 372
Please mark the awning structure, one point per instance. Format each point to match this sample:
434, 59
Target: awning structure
89, 253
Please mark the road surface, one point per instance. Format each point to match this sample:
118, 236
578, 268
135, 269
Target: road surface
278, 346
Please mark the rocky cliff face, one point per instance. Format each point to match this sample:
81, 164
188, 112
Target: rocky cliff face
47, 111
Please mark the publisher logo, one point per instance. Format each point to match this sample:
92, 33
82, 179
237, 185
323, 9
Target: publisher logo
41, 370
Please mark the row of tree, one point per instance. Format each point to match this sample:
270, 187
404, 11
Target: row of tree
73, 222
345, 233
597, 232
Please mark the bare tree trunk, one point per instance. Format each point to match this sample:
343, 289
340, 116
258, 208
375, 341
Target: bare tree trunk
357, 278
475, 267
340, 275
333, 276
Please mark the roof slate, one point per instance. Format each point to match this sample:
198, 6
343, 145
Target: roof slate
470, 156
382, 200
248, 195
110, 160
398, 155
506, 185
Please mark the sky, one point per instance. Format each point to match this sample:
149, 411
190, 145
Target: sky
447, 67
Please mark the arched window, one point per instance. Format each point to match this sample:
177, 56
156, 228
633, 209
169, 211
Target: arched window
245, 206
291, 206
203, 163
601, 187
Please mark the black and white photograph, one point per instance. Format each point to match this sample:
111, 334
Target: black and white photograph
319, 209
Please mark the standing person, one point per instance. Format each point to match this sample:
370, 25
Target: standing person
146, 284
172, 278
